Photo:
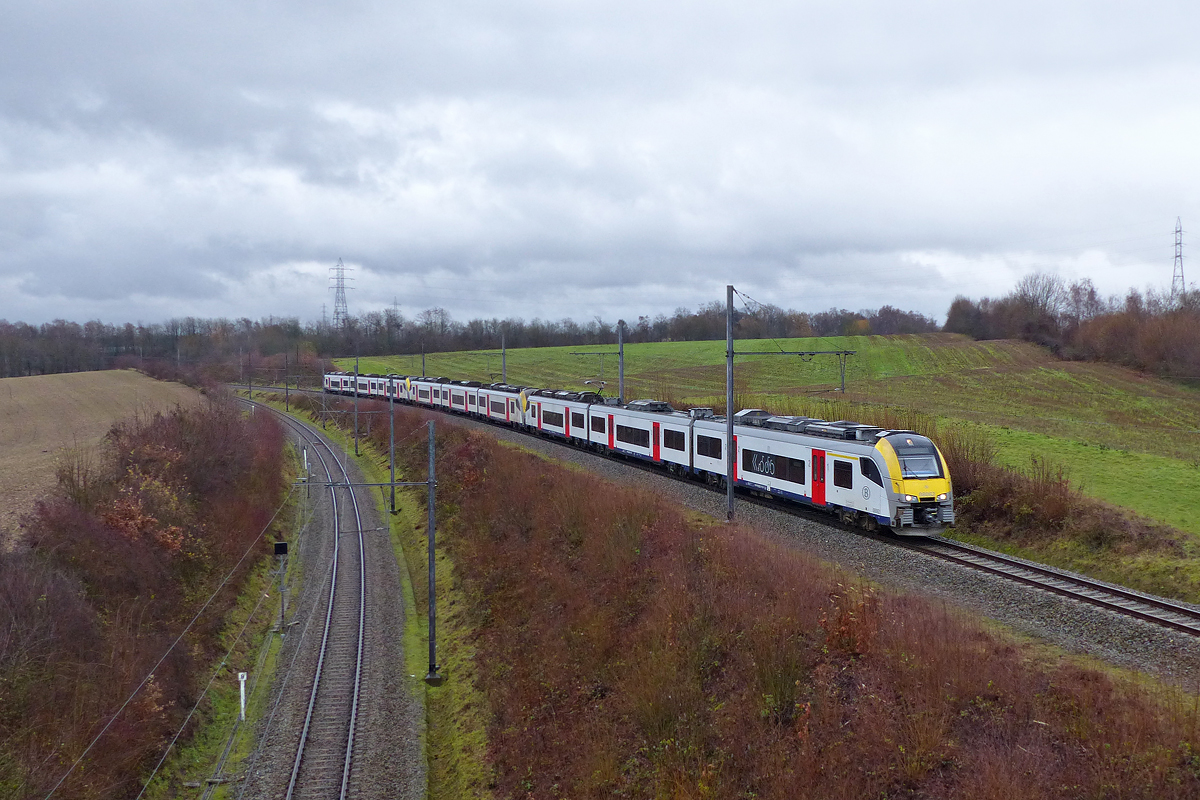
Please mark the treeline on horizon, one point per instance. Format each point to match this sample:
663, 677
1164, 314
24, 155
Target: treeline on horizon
62, 346
1148, 331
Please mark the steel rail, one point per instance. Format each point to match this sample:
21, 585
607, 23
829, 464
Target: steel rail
1078, 587
302, 748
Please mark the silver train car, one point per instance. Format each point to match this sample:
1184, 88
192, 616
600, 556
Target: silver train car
865, 475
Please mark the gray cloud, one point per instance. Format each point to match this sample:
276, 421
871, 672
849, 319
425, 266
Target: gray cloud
548, 159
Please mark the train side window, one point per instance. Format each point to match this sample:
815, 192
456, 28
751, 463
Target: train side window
470, 400
870, 471
708, 446
576, 420
634, 436
843, 474
598, 424
673, 440
796, 470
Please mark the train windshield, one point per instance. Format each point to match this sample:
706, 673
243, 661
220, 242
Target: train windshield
918, 457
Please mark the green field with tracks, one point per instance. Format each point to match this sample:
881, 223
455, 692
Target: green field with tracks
1125, 438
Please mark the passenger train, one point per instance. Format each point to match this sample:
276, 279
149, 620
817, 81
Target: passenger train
866, 475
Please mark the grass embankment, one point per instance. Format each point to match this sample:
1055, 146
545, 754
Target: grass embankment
118, 563
455, 733
1122, 439
624, 651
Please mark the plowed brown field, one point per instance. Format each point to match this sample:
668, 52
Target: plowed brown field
44, 415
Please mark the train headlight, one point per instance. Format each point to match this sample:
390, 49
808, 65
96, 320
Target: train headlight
942, 497
908, 498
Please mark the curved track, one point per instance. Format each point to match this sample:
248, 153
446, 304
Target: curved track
325, 749
1114, 598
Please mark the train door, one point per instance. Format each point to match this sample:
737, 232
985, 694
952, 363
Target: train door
654, 443
818, 477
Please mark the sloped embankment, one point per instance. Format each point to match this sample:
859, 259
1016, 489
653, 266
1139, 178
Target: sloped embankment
627, 650
118, 561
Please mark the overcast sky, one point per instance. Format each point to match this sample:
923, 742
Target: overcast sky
572, 159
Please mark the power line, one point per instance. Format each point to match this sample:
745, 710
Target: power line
150, 675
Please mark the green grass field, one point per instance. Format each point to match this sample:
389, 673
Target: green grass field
1125, 438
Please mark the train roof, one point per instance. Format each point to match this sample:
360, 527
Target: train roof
842, 429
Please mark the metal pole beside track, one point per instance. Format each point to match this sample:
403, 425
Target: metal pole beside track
433, 676
730, 454
356, 405
620, 362
392, 387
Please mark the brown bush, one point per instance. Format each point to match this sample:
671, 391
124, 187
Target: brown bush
116, 564
625, 652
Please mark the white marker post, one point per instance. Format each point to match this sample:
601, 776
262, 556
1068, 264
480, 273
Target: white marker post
242, 681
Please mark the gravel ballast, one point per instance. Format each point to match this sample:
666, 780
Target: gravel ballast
389, 761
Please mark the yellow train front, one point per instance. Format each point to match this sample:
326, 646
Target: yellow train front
920, 493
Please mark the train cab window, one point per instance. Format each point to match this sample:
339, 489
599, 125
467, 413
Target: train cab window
577, 420
870, 471
673, 440
843, 474
598, 424
918, 456
708, 446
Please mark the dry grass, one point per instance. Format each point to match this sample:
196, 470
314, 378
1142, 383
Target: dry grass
43, 415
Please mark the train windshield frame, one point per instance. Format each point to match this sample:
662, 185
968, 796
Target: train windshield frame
918, 457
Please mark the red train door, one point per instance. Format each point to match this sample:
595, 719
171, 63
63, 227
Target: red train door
818, 477
654, 443
611, 442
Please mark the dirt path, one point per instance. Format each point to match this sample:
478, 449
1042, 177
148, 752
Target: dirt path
43, 414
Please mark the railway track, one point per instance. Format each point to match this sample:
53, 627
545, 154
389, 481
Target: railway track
322, 766
1113, 598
